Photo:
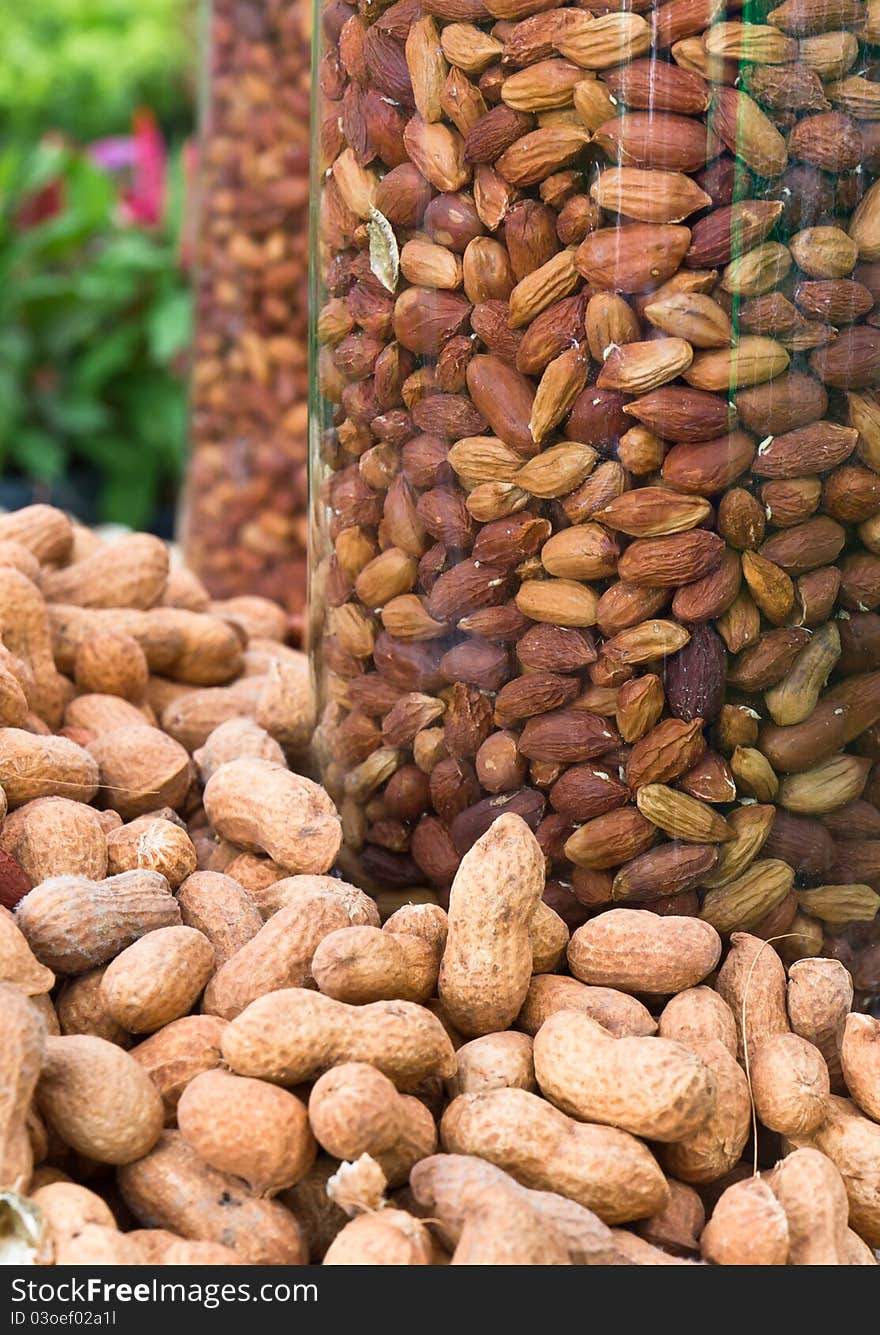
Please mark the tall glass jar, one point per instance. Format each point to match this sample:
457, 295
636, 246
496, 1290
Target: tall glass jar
244, 526
596, 448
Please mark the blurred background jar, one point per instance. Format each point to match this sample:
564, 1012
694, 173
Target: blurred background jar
244, 522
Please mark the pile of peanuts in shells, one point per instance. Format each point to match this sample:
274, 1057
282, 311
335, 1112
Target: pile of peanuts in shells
216, 1050
245, 522
600, 453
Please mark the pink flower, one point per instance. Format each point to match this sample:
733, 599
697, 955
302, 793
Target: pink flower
142, 158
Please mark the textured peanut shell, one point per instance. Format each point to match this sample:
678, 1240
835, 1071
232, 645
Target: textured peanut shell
157, 979
55, 836
617, 1012
286, 707
259, 618
748, 1227
177, 1054
171, 1188
355, 1109
22, 1047
427, 921
32, 765
279, 956
18, 964
67, 1207
232, 739
752, 982
98, 714
253, 871
811, 1192
504, 1231
26, 631
450, 1188
218, 906
363, 964
98, 1099
72, 923
714, 1148
193, 717
248, 1128
295, 1034
789, 1084
186, 646
158, 1246
820, 996
112, 665
99, 1245
860, 1059
698, 1016
386, 1237
548, 935
41, 529
155, 845
857, 1250
604, 1169
638, 951
494, 1061
487, 962
264, 808
852, 1143
141, 769
81, 1009
651, 1087
282, 891
130, 572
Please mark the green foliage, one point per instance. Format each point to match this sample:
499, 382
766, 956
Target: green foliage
86, 65
94, 317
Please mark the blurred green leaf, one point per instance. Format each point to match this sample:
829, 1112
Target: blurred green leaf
39, 454
169, 325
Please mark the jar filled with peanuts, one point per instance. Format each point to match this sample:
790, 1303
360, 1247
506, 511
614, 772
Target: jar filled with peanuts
596, 453
244, 523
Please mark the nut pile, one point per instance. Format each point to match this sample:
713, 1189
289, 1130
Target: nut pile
245, 526
215, 1052
601, 453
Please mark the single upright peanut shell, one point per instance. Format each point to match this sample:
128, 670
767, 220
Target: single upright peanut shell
811, 1192
487, 962
752, 982
820, 996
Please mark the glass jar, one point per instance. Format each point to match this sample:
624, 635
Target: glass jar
595, 455
245, 519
